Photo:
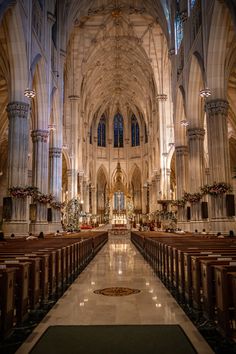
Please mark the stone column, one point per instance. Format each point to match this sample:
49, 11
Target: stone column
55, 183
86, 197
196, 167
219, 159
17, 165
74, 111
181, 176
69, 178
94, 201
153, 195
144, 199
168, 173
40, 177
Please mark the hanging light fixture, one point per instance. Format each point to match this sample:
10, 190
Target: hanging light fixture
52, 127
184, 122
161, 97
206, 92
29, 93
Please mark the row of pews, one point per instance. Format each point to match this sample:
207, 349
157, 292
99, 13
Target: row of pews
200, 270
34, 272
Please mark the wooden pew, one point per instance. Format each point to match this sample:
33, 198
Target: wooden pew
225, 311
7, 287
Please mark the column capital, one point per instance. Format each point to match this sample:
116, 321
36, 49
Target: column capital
40, 135
181, 150
196, 133
218, 106
55, 152
17, 109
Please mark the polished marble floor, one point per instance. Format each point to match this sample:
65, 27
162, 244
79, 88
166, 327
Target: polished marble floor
117, 264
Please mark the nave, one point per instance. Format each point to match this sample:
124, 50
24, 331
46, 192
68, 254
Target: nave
118, 264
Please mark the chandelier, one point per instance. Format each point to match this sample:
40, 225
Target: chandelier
206, 92
184, 122
161, 97
29, 93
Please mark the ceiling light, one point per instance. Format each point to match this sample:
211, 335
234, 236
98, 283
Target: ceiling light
29, 93
52, 127
184, 122
161, 97
206, 92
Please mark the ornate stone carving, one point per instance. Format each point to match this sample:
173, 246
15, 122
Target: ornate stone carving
218, 106
17, 110
40, 136
181, 150
55, 152
196, 133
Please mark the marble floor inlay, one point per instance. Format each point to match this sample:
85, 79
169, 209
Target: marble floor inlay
118, 264
116, 291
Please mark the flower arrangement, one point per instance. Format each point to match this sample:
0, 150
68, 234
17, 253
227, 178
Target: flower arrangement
43, 198
57, 205
192, 198
216, 188
18, 192
178, 202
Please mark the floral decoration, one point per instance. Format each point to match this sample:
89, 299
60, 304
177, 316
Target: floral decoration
216, 188
30, 191
178, 202
192, 198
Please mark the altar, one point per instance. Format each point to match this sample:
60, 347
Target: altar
119, 220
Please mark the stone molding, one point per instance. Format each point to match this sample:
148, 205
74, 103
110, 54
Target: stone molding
17, 110
51, 18
55, 152
69, 173
73, 98
181, 150
40, 136
196, 133
218, 106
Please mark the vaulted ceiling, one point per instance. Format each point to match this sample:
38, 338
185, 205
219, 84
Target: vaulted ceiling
118, 55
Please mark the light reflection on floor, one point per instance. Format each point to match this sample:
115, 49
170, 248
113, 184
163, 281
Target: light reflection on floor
117, 264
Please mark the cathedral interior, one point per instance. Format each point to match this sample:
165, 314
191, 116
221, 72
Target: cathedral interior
126, 107
118, 126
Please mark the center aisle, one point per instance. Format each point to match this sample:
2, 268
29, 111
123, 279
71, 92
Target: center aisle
118, 264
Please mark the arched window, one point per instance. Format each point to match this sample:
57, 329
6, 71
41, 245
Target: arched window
102, 131
134, 131
118, 130
179, 31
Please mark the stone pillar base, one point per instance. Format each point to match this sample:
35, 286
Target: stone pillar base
37, 227
19, 228
191, 226
54, 226
223, 225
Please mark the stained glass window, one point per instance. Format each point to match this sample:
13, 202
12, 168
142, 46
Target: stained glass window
179, 31
118, 130
119, 200
134, 131
102, 131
